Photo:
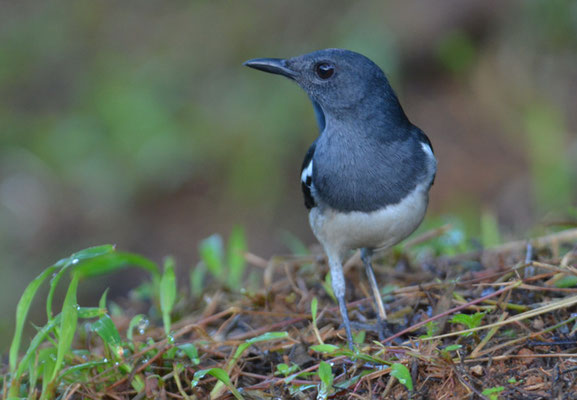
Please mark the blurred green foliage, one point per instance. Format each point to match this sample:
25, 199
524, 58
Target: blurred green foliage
457, 52
553, 178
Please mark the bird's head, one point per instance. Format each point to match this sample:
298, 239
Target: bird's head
337, 80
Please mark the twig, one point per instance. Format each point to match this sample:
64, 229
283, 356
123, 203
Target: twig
488, 336
559, 304
448, 312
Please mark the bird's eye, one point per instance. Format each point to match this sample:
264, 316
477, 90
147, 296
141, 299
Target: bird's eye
324, 70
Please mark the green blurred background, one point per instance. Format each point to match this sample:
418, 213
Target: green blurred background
133, 122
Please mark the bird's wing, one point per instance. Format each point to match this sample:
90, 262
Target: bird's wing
424, 139
307, 177
427, 146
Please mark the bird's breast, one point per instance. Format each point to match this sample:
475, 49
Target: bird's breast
379, 229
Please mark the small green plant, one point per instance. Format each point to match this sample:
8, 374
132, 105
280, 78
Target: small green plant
445, 352
401, 372
493, 393
359, 337
239, 351
227, 267
52, 363
327, 378
432, 329
314, 309
286, 370
471, 321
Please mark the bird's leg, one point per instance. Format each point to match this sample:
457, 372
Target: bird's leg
366, 256
338, 282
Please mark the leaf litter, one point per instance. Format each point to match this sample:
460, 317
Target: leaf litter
496, 323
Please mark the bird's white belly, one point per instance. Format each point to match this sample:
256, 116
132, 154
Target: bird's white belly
340, 232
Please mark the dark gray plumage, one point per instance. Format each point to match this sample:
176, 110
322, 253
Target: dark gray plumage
366, 178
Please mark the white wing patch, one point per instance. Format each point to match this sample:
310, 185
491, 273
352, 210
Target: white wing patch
307, 175
427, 149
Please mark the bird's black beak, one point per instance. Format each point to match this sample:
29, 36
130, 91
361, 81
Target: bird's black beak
273, 65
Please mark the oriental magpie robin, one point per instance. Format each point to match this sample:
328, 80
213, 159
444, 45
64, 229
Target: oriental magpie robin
366, 178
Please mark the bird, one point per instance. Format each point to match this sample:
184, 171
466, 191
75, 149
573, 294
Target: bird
366, 178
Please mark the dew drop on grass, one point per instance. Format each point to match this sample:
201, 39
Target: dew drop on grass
170, 339
75, 261
105, 360
142, 325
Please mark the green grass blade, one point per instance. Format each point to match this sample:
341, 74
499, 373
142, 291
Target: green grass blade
36, 341
90, 312
262, 338
22, 312
167, 293
328, 286
44, 359
80, 367
325, 348
219, 374
197, 275
268, 337
111, 262
54, 283
107, 331
314, 309
94, 251
235, 257
212, 254
74, 260
191, 351
67, 324
48, 367
103, 299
